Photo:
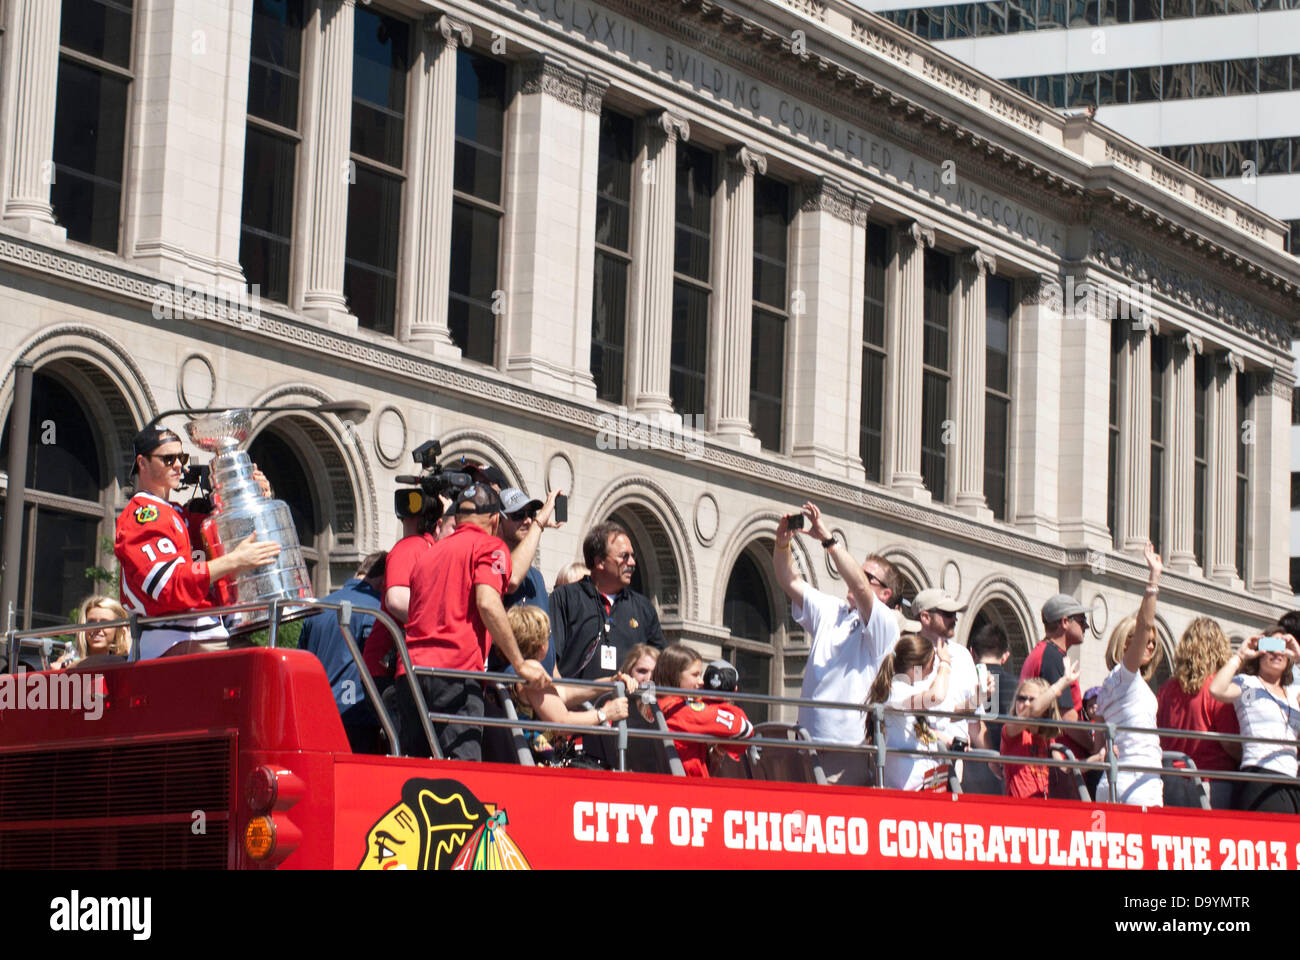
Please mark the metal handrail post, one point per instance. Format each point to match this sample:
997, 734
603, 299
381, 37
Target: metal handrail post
12, 646
620, 690
137, 632
273, 629
1113, 762
878, 737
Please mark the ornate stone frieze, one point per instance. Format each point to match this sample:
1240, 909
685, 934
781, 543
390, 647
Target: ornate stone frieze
951, 79
1192, 290
552, 77
828, 195
880, 43
815, 9
1015, 113
1125, 158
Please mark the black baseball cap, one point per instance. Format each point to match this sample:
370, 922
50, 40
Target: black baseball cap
149, 440
477, 498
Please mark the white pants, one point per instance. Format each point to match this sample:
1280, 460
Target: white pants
1136, 789
154, 642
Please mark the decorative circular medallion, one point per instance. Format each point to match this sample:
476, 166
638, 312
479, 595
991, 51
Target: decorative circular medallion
197, 383
706, 518
390, 436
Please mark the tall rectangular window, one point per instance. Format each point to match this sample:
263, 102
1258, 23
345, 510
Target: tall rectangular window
381, 55
90, 118
872, 423
477, 210
1112, 445
936, 374
692, 283
613, 255
767, 334
997, 392
1245, 392
1200, 454
271, 146
1159, 364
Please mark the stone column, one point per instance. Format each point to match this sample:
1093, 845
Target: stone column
1269, 554
1182, 452
732, 348
828, 279
33, 49
329, 172
654, 212
428, 222
905, 294
1133, 497
1036, 410
1083, 375
975, 267
1221, 525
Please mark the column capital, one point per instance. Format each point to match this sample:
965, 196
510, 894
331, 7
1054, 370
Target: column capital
452, 32
1232, 361
1192, 343
981, 262
916, 233
593, 92
1036, 291
828, 195
671, 125
749, 161
553, 76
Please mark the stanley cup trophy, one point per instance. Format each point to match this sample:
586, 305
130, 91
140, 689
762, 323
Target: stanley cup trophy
240, 509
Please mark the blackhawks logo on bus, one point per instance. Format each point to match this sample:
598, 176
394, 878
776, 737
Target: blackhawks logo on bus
441, 825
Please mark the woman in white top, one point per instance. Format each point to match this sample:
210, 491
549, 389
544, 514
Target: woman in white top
909, 679
1126, 700
1258, 684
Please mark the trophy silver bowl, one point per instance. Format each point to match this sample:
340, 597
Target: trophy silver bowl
239, 510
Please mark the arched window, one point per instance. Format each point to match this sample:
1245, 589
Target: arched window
69, 504
284, 468
761, 633
999, 613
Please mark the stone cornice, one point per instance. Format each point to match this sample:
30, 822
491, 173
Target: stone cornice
1196, 292
547, 74
828, 195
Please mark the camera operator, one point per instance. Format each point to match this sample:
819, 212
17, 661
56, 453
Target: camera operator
161, 574
522, 523
455, 616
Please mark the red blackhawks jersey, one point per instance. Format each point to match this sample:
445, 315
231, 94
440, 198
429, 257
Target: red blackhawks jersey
709, 717
161, 573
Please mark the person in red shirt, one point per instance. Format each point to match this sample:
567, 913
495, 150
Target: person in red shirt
1184, 703
1035, 699
454, 617
680, 666
161, 574
1065, 624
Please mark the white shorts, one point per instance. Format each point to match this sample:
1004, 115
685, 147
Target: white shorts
1135, 789
154, 642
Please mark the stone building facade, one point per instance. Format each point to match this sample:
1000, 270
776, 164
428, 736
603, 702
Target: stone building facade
691, 261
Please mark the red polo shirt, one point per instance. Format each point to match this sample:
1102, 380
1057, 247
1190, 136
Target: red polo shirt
443, 627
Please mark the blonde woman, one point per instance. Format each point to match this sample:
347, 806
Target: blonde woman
98, 640
1126, 700
1185, 703
1035, 699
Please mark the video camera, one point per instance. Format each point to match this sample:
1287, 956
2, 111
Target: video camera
433, 481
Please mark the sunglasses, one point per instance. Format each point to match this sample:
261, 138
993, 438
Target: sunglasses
171, 459
1023, 699
519, 516
1081, 620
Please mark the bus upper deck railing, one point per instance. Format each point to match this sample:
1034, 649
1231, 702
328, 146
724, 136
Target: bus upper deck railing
876, 714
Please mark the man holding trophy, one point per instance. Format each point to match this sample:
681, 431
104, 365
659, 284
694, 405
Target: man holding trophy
160, 572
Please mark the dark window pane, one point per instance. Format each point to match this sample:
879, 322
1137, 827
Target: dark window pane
938, 287
1295, 406
1295, 491
873, 320
1242, 76
1185, 155
70, 466
1054, 95
67, 545
767, 377
771, 218
608, 325
100, 28
1241, 6
1112, 86
934, 453
1209, 159
1108, 11
1208, 8
694, 212
89, 150
746, 612
480, 125
1021, 15
614, 181
1295, 575
473, 280
1146, 10
1083, 89
267, 227
283, 467
1145, 84
689, 352
1274, 74
1295, 157
873, 412
997, 345
275, 61
1156, 524
992, 19
958, 21
1210, 79
1177, 81
1274, 155
1238, 153
1176, 9
996, 417
1082, 13
370, 265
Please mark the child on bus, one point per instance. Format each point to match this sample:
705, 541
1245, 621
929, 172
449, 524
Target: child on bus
1035, 698
680, 666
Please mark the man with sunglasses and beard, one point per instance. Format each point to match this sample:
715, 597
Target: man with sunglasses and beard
161, 574
1065, 622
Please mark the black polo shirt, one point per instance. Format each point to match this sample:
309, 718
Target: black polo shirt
579, 622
